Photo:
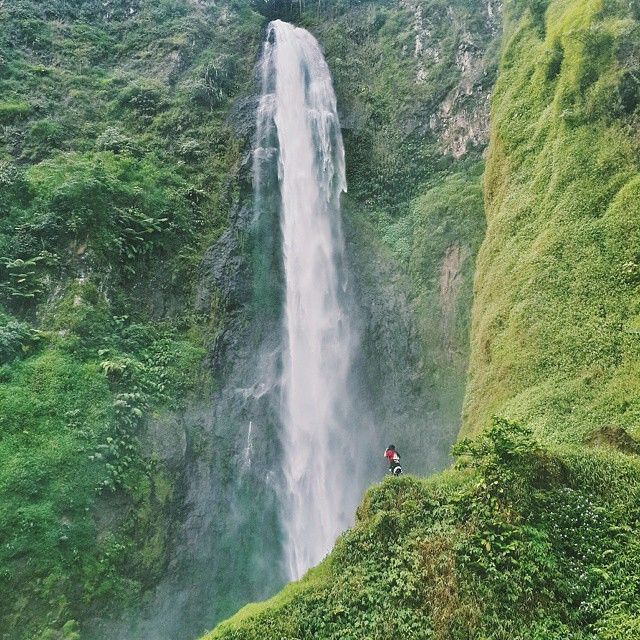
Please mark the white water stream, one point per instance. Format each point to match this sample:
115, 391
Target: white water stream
298, 127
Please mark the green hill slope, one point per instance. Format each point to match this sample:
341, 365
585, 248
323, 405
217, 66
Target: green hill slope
556, 324
118, 167
521, 544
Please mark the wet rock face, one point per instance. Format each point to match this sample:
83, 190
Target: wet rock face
461, 122
165, 439
390, 353
224, 267
225, 272
450, 282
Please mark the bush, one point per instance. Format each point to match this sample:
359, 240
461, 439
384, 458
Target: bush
16, 338
12, 111
42, 138
215, 83
96, 207
145, 99
113, 139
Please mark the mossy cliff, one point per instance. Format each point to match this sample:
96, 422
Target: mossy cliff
534, 535
557, 299
118, 167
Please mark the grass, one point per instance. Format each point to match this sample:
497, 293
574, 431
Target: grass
55, 413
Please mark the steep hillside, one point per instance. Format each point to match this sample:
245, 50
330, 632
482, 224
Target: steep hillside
555, 323
520, 544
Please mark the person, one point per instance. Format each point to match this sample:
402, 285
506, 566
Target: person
394, 460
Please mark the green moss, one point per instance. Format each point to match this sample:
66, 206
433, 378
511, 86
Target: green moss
80, 500
556, 290
55, 412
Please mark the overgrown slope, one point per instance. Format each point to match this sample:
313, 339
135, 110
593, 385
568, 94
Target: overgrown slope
117, 169
520, 544
556, 321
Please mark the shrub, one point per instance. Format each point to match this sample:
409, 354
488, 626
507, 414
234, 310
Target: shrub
43, 137
214, 84
113, 139
16, 338
12, 111
146, 99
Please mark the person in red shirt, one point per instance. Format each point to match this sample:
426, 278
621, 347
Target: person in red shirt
394, 460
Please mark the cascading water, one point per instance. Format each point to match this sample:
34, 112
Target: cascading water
299, 136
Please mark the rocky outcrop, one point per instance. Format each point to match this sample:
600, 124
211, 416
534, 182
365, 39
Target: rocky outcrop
461, 121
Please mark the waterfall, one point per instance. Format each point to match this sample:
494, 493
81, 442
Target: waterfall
299, 154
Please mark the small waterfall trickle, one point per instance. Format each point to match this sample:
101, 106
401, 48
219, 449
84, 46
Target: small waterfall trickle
300, 154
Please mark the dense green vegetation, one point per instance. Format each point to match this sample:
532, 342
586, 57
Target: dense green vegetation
124, 127
519, 543
555, 335
118, 168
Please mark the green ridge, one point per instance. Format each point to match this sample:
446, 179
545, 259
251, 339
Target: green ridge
519, 543
555, 339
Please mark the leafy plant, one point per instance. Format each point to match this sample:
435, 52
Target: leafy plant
16, 338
